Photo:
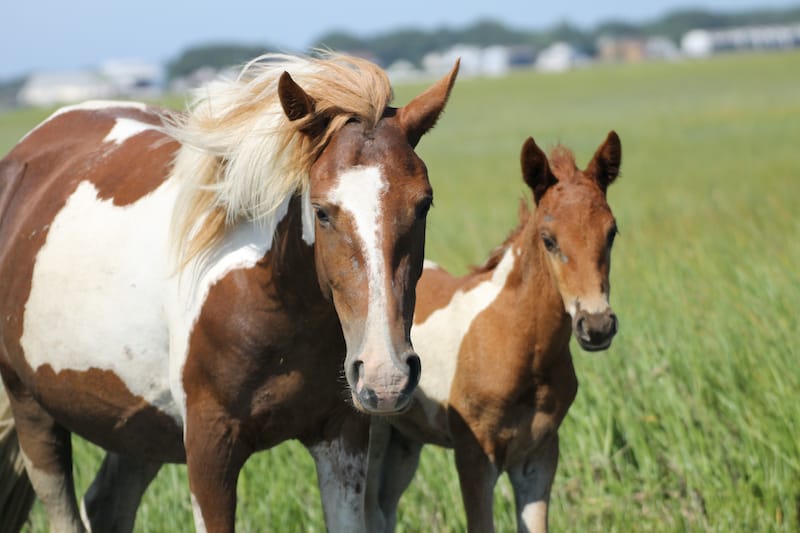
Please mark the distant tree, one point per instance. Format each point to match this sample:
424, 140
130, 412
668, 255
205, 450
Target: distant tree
339, 40
9, 90
217, 56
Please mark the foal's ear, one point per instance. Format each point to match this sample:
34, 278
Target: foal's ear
535, 169
604, 166
420, 114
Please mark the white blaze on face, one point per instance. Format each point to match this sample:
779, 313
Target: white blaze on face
438, 339
359, 193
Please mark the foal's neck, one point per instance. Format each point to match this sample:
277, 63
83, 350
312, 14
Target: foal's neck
539, 299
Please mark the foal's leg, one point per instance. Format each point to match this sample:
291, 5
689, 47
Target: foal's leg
47, 452
393, 462
342, 475
111, 502
477, 476
532, 481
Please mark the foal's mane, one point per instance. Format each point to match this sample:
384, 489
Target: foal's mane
562, 164
241, 158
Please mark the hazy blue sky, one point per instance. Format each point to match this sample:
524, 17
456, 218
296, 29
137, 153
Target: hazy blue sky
66, 34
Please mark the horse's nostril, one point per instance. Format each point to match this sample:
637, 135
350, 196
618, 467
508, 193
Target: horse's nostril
355, 372
414, 371
580, 326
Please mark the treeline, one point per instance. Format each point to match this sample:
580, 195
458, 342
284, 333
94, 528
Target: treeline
413, 44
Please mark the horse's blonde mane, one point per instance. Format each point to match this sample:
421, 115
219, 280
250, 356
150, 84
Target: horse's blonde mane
241, 158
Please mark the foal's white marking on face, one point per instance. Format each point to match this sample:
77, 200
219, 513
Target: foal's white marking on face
438, 339
124, 129
594, 305
359, 192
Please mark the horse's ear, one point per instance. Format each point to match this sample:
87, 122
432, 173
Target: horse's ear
295, 101
604, 166
535, 169
420, 114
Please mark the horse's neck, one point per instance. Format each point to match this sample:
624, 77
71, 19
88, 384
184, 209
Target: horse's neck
291, 260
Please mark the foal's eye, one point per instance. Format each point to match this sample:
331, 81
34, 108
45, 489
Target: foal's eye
423, 207
611, 235
550, 243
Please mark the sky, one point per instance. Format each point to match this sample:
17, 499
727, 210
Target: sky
61, 35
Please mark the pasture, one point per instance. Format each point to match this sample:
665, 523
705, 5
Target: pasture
689, 422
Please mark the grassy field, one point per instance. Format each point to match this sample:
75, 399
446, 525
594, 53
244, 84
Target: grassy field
691, 421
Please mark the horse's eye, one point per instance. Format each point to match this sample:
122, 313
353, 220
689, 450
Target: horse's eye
322, 216
550, 243
423, 207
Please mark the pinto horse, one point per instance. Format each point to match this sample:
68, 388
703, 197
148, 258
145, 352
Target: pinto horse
191, 287
498, 376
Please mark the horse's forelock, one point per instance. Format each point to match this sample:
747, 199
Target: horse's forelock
242, 157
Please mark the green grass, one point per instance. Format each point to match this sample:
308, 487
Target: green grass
690, 421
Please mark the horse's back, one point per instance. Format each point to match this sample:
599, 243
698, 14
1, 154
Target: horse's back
86, 204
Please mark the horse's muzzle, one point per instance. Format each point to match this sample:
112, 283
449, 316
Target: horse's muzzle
595, 331
384, 388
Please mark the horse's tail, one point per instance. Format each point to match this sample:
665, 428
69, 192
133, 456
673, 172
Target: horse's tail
16, 493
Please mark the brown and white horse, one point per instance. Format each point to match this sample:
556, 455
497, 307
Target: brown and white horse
497, 370
191, 288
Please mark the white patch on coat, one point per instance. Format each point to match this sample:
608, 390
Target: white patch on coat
124, 129
199, 523
55, 495
97, 292
359, 193
534, 515
427, 264
438, 339
91, 105
342, 481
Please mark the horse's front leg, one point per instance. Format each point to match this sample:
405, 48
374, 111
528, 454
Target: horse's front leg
532, 480
214, 457
476, 474
112, 500
342, 475
393, 461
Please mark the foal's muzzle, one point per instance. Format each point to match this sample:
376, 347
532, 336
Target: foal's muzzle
384, 388
594, 331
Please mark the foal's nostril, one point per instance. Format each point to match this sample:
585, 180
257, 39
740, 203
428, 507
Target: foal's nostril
614, 325
580, 327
